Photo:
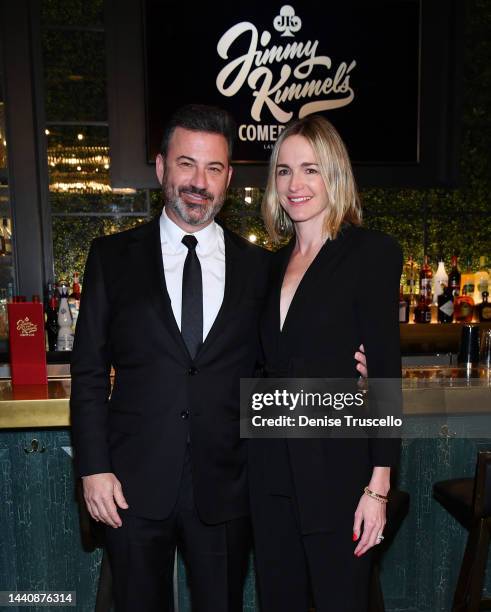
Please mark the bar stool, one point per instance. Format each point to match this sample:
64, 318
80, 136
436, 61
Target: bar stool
469, 501
397, 509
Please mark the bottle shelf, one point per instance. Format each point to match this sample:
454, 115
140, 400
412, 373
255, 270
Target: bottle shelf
432, 337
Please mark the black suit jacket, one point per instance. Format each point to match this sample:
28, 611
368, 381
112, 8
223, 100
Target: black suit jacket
160, 395
348, 296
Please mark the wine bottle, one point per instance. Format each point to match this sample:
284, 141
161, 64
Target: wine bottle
403, 307
422, 312
425, 280
454, 277
446, 306
52, 326
411, 279
74, 299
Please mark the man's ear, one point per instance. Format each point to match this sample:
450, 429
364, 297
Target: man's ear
160, 167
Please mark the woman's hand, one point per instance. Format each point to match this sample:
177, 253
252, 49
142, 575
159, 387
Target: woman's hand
371, 514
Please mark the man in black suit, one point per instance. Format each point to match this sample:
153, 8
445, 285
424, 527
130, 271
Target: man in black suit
173, 306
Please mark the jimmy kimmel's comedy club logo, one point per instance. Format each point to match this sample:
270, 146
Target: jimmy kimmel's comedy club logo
280, 73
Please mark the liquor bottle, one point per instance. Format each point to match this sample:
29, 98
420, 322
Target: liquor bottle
74, 299
7, 237
481, 280
76, 286
65, 334
467, 280
440, 280
411, 279
454, 277
403, 307
463, 307
422, 312
52, 326
446, 305
484, 309
425, 280
50, 293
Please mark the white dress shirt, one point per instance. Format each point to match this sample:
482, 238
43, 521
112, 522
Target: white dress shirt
211, 254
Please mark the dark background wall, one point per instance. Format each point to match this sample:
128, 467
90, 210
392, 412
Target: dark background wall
447, 221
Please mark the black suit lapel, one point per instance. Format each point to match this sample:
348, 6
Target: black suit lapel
318, 274
270, 318
147, 256
146, 252
232, 286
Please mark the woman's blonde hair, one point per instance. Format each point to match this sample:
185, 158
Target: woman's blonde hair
335, 169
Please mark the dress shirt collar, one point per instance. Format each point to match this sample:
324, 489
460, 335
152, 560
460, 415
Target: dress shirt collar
171, 236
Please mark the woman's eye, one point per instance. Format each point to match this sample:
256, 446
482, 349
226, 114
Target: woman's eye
282, 171
312, 171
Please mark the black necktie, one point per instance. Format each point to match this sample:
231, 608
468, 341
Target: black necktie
192, 298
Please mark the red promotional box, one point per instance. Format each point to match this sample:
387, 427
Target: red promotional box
27, 344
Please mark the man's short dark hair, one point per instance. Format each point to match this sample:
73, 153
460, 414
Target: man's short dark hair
201, 118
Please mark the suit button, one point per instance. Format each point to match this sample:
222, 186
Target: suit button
184, 414
192, 371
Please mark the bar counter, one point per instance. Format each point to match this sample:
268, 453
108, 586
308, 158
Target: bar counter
447, 412
426, 391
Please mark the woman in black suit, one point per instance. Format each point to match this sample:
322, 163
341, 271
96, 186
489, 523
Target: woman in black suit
318, 505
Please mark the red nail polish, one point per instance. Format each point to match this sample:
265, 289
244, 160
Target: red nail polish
355, 537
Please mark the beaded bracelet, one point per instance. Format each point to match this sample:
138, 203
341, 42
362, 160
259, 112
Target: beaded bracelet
382, 499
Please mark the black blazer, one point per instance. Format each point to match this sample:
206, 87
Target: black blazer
348, 296
160, 395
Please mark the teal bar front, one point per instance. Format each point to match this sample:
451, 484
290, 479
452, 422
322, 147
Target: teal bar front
41, 547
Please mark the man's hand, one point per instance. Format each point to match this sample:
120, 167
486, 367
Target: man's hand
360, 357
100, 493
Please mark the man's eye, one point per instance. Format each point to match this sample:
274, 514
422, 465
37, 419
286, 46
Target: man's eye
215, 170
185, 164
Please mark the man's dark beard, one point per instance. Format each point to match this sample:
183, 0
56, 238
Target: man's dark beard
181, 209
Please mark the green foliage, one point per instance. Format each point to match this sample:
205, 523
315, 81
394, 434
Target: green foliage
78, 13
75, 75
72, 237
